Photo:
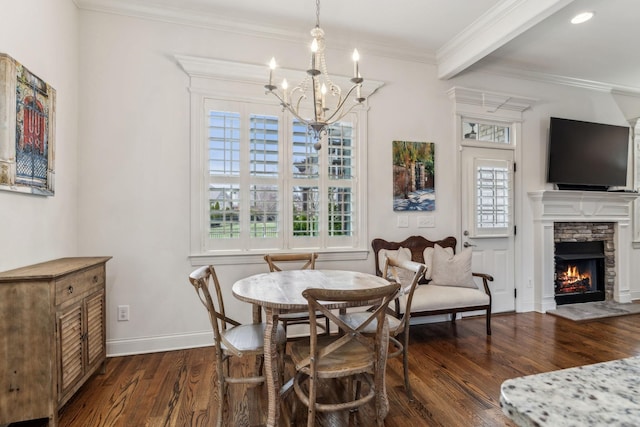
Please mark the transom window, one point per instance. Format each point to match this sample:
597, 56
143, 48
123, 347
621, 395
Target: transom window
489, 132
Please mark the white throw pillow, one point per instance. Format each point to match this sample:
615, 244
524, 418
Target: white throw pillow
452, 270
401, 254
428, 260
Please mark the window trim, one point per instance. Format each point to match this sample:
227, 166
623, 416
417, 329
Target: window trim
635, 178
232, 82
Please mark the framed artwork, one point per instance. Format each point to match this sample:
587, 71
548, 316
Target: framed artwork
27, 130
413, 176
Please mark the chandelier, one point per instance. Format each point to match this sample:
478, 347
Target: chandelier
328, 103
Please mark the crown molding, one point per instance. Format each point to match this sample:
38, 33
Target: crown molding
182, 16
627, 91
382, 49
203, 19
521, 74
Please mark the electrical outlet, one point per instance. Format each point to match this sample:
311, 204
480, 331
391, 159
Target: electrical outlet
123, 313
403, 221
425, 221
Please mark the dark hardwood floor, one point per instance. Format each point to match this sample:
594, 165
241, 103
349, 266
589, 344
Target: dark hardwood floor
456, 372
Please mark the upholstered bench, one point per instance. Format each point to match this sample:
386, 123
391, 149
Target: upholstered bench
449, 286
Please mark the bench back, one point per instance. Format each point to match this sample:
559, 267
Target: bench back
417, 245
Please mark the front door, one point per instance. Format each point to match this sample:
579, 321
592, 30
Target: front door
487, 218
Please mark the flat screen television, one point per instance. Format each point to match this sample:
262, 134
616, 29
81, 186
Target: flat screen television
586, 155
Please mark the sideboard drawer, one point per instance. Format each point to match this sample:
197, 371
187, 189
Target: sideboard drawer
79, 284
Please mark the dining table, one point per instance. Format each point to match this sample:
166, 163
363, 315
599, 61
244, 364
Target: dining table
281, 292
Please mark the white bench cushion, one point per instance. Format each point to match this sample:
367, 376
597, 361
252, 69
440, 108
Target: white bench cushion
435, 297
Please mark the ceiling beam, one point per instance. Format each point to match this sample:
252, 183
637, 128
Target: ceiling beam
499, 25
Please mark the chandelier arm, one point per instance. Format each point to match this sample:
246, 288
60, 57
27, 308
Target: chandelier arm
301, 95
343, 114
297, 116
298, 103
288, 107
341, 105
274, 93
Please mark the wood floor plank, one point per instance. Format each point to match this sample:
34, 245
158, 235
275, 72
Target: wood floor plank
456, 372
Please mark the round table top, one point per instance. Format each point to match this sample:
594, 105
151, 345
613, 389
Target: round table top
283, 289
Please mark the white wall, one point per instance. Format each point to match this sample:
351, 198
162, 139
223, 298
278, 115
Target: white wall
43, 36
135, 164
133, 159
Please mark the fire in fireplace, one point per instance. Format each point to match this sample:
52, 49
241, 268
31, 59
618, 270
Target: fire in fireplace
579, 272
573, 279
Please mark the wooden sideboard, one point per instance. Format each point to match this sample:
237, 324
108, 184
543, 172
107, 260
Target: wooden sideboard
52, 335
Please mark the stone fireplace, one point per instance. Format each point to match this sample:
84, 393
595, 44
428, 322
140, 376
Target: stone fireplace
584, 255
581, 216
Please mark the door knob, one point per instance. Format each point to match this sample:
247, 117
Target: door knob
467, 245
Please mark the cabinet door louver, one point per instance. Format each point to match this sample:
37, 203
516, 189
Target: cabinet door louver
71, 350
52, 335
95, 327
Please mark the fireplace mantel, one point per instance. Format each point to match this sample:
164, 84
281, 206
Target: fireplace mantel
565, 205
578, 206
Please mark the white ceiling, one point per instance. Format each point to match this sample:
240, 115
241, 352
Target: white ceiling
530, 38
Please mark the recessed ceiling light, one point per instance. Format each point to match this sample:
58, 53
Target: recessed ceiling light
582, 17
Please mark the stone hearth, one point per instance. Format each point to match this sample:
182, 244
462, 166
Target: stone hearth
550, 207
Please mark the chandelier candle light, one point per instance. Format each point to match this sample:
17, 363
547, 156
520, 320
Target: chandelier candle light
317, 86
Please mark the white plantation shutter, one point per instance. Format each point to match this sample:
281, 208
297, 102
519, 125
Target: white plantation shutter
269, 188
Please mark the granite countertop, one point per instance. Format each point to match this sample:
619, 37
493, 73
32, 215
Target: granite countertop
603, 394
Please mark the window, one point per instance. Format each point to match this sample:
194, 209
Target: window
493, 182
267, 188
474, 130
256, 182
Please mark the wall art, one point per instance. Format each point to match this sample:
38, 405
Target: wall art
27, 130
413, 176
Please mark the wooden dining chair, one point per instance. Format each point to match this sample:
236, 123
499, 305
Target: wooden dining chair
300, 261
231, 339
353, 355
407, 274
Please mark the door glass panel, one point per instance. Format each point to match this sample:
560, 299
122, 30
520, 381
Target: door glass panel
493, 203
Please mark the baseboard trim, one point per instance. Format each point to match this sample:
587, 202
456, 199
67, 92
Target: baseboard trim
141, 345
